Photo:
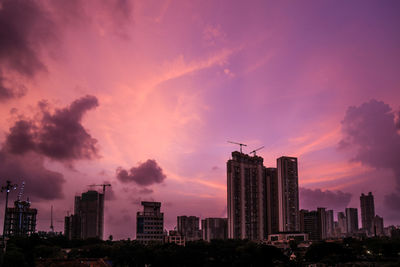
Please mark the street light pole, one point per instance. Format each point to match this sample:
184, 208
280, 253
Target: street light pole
8, 187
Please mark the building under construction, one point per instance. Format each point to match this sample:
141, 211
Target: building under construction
88, 220
20, 220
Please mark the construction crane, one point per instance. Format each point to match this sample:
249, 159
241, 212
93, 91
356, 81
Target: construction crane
21, 191
103, 185
240, 144
255, 150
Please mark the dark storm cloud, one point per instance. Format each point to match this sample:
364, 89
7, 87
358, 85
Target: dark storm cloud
145, 174
58, 135
28, 27
40, 183
371, 131
311, 199
24, 27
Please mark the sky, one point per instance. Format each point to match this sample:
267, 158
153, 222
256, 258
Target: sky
144, 95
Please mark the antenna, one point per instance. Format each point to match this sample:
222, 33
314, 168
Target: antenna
51, 220
240, 144
255, 150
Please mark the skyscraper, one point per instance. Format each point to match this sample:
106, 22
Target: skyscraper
188, 226
342, 222
150, 223
313, 223
377, 226
352, 220
310, 224
288, 194
214, 228
322, 222
88, 220
367, 211
246, 197
90, 208
330, 226
272, 201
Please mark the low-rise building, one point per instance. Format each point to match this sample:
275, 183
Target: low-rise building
150, 223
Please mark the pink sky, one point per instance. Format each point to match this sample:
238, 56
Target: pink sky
175, 80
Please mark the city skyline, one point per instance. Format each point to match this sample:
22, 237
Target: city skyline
145, 95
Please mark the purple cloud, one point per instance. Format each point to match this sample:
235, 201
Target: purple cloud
313, 198
40, 183
24, 27
59, 135
145, 174
371, 131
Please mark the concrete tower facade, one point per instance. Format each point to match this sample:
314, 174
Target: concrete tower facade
367, 211
288, 194
246, 197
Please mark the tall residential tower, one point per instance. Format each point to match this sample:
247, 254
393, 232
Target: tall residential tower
246, 197
367, 211
288, 194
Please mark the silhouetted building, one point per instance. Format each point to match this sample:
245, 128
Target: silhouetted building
330, 225
246, 197
367, 212
342, 222
72, 227
352, 220
214, 228
313, 223
188, 226
272, 201
322, 222
310, 225
288, 194
150, 223
377, 226
88, 220
20, 220
90, 209
175, 237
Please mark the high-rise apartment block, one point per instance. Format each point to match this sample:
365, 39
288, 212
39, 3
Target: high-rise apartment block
272, 201
150, 223
214, 228
377, 226
72, 227
20, 220
288, 194
90, 207
367, 212
313, 223
88, 220
342, 223
352, 220
188, 226
330, 224
246, 197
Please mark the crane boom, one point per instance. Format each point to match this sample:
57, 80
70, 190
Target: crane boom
103, 185
255, 150
240, 144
